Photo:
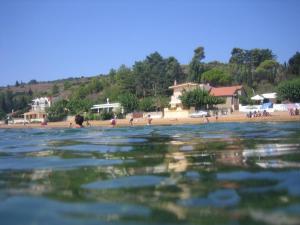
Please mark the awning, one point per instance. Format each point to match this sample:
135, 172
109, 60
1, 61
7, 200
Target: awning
257, 98
106, 106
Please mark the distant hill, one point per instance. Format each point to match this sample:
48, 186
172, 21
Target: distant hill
45, 87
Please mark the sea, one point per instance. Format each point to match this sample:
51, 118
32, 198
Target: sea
216, 173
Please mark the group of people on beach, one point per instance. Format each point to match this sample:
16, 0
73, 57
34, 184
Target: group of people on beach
294, 112
149, 120
113, 122
258, 114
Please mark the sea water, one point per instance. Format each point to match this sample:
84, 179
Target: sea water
217, 173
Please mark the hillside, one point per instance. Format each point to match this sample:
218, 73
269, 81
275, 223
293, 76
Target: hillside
45, 87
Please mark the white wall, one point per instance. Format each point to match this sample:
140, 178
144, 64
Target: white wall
276, 107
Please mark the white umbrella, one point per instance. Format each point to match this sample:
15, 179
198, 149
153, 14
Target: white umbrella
257, 98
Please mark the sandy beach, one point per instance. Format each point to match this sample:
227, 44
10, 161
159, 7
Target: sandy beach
239, 117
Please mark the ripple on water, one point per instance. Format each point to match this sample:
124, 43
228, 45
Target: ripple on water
30, 163
126, 182
183, 174
33, 210
288, 180
219, 198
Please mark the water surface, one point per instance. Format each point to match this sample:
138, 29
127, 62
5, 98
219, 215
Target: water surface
233, 173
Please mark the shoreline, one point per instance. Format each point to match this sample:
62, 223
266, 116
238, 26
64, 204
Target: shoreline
239, 118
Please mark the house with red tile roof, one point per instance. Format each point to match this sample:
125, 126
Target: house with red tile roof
179, 88
230, 94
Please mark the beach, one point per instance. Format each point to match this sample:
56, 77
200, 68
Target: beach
237, 117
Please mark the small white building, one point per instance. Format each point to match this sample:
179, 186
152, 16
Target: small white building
108, 107
271, 97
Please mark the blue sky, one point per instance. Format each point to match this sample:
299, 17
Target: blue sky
47, 40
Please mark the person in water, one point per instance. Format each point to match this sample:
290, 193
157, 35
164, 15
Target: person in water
149, 120
113, 122
79, 121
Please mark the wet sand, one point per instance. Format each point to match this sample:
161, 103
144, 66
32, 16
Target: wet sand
239, 117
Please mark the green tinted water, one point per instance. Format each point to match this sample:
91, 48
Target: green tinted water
234, 173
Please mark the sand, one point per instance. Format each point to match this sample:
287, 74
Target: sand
238, 117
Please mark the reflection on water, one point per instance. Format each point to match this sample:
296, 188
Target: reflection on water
230, 173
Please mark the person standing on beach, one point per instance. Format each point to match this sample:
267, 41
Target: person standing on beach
87, 123
206, 120
131, 121
113, 122
149, 120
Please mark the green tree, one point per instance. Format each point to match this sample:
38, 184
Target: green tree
8, 100
55, 89
2, 114
32, 82
173, 71
21, 102
196, 68
294, 64
30, 92
148, 75
111, 75
80, 92
58, 111
2, 106
141, 72
199, 98
78, 105
289, 90
154, 75
125, 80
216, 77
67, 85
94, 86
267, 70
112, 92
244, 62
238, 56
129, 102
147, 104
161, 102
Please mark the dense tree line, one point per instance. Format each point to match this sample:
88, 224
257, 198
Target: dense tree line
144, 86
14, 102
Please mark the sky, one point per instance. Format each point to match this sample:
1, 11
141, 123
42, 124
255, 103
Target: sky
55, 39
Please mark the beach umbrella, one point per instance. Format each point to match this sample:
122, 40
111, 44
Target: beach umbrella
257, 98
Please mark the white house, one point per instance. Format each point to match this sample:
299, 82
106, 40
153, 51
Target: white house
108, 107
38, 110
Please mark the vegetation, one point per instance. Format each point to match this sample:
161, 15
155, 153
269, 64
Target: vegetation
200, 99
129, 102
13, 102
144, 86
58, 111
216, 77
196, 67
290, 90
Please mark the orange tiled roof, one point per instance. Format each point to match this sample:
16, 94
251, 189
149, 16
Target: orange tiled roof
225, 91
